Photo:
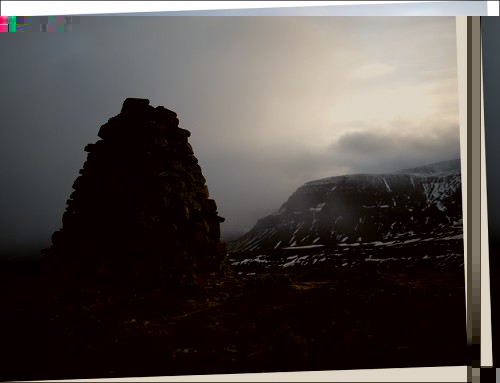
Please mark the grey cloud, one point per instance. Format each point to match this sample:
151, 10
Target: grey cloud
381, 150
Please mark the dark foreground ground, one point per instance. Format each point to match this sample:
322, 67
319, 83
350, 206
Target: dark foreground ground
326, 318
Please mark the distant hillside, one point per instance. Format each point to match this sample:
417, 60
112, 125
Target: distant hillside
413, 203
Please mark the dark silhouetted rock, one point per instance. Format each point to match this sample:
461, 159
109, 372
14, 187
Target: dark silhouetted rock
140, 215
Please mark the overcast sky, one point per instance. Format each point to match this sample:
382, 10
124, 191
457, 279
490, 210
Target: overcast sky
271, 103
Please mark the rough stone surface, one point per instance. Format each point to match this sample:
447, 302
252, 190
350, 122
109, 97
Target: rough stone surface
140, 215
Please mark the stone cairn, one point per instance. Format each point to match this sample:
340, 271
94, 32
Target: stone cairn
140, 216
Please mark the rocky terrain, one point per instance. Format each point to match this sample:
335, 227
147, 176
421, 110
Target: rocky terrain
138, 282
446, 253
331, 319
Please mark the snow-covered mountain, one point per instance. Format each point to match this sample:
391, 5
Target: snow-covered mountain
422, 202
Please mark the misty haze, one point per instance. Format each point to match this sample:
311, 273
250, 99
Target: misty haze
211, 195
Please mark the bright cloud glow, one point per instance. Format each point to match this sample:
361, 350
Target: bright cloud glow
372, 70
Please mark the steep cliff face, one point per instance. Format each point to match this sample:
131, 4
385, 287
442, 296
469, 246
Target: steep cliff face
360, 208
140, 214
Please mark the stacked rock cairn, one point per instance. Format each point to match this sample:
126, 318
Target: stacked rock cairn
140, 215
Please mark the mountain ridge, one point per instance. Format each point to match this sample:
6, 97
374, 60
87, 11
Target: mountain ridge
432, 168
422, 201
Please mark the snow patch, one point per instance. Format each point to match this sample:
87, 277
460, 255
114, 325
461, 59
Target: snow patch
318, 207
387, 185
382, 259
348, 244
378, 243
458, 236
250, 260
302, 247
295, 261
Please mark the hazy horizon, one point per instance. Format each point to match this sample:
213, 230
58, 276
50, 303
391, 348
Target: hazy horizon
271, 103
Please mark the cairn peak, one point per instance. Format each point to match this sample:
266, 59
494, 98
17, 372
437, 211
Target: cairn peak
134, 104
